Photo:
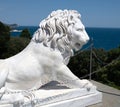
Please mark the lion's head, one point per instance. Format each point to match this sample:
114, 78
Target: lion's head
63, 31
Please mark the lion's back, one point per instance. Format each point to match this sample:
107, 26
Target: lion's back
3, 65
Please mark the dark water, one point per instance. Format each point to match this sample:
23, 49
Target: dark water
106, 38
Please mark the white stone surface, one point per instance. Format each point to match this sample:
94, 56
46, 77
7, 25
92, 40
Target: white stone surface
78, 101
62, 98
46, 56
67, 96
45, 59
7, 105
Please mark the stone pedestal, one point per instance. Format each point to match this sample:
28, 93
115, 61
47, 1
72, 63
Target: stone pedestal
59, 98
75, 98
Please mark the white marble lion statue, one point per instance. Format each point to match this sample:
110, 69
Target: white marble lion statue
46, 56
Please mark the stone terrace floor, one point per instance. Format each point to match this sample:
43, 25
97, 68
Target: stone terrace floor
111, 96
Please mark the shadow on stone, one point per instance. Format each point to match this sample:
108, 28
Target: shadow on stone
53, 85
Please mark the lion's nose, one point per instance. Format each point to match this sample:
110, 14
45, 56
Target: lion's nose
86, 37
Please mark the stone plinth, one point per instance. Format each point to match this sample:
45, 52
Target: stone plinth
60, 98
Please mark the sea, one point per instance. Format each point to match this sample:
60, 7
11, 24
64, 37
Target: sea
105, 38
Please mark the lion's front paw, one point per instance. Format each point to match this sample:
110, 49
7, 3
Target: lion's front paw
87, 84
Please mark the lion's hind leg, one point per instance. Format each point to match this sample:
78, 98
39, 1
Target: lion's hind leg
65, 76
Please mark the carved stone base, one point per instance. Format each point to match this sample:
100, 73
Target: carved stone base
58, 98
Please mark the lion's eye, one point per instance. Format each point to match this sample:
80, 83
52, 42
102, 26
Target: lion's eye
79, 29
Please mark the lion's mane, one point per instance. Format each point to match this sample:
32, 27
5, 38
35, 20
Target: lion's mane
54, 32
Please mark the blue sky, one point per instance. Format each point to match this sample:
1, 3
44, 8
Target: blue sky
95, 13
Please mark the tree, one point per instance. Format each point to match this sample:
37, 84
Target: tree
113, 54
4, 38
15, 45
25, 33
4, 33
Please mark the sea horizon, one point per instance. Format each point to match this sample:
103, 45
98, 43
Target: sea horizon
103, 37
85, 26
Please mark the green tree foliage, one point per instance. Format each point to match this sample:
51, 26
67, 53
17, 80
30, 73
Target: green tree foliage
15, 45
10, 46
110, 74
113, 54
79, 64
106, 63
4, 38
113, 72
25, 33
